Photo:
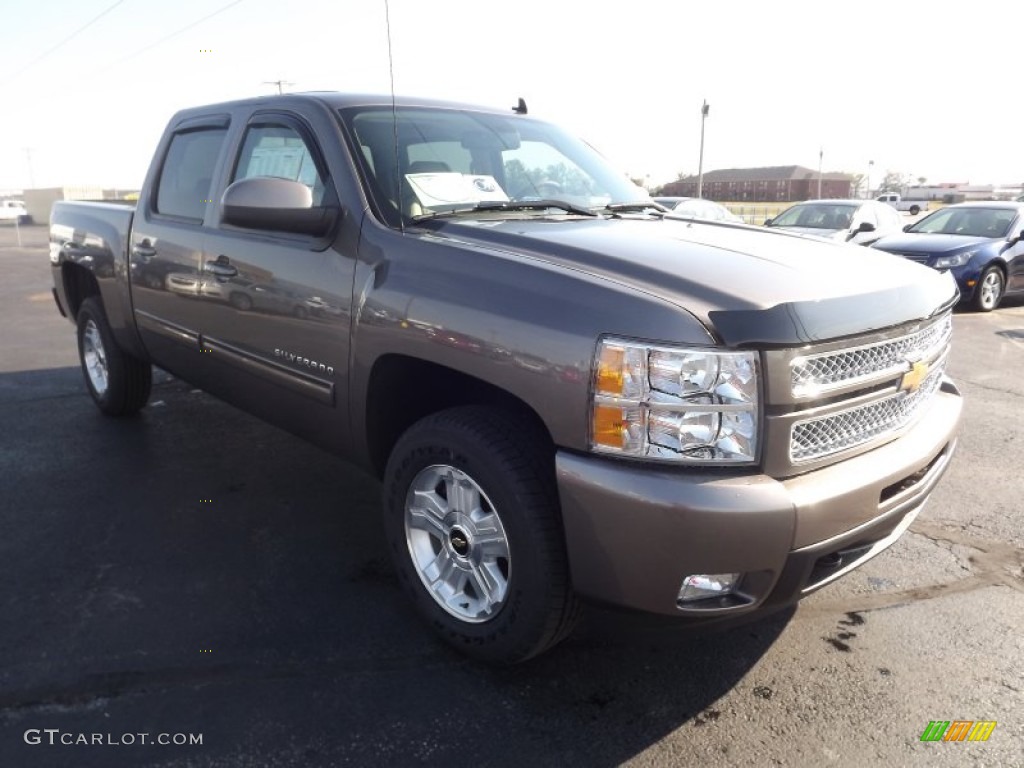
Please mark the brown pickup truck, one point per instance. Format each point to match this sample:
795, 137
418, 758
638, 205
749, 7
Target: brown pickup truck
566, 390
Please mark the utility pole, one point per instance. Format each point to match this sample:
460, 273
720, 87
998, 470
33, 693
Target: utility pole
871, 167
821, 157
705, 107
31, 176
279, 83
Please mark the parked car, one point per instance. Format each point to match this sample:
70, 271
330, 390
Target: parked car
697, 208
854, 221
981, 244
913, 207
14, 210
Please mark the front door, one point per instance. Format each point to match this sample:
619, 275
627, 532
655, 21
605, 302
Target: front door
280, 326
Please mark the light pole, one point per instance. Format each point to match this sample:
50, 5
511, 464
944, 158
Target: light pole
700, 165
821, 157
871, 167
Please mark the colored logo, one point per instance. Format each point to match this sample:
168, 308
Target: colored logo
958, 730
914, 378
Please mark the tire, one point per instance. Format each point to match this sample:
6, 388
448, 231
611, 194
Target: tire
240, 301
118, 382
914, 210
989, 290
501, 589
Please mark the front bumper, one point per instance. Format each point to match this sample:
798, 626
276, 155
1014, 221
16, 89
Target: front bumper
634, 531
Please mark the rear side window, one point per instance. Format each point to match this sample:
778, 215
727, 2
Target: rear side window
279, 151
187, 173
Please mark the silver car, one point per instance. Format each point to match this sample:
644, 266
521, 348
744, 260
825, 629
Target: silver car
853, 221
698, 208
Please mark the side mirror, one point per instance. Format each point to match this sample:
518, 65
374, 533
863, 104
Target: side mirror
768, 222
866, 226
280, 205
906, 227
1019, 238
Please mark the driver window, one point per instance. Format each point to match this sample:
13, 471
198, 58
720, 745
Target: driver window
280, 152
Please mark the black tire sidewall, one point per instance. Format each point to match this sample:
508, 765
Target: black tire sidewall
128, 379
240, 301
92, 310
510, 635
978, 291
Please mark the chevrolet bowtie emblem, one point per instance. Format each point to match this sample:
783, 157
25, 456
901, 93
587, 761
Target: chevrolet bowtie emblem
914, 378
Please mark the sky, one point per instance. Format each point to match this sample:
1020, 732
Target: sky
922, 89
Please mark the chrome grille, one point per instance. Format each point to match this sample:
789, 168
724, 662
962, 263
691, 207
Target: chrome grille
813, 375
826, 435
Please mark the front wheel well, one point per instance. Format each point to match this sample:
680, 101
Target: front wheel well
402, 390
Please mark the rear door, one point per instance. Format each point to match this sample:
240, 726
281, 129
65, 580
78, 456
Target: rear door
169, 293
280, 330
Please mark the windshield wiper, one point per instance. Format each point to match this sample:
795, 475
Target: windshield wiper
638, 206
511, 205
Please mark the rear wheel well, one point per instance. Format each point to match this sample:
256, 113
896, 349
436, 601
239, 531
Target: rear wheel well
79, 285
402, 390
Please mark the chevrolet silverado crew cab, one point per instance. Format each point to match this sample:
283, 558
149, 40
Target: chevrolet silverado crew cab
566, 393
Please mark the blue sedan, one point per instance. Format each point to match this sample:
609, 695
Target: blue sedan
981, 244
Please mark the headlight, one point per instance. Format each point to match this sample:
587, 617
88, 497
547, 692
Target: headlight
946, 262
689, 405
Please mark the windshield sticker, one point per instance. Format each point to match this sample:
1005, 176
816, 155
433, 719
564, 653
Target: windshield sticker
438, 190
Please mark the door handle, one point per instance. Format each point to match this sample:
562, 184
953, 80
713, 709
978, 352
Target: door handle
220, 267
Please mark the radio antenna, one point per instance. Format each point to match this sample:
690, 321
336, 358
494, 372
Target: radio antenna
394, 119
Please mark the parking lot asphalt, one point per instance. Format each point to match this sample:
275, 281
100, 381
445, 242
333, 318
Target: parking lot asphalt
195, 571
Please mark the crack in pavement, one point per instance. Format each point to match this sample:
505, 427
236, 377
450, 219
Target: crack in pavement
962, 380
96, 689
997, 564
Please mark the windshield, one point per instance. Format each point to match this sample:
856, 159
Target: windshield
971, 222
461, 160
817, 216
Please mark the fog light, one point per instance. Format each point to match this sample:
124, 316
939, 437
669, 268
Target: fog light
699, 586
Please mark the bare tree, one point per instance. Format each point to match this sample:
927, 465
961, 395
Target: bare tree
893, 181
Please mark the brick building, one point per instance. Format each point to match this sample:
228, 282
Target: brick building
779, 183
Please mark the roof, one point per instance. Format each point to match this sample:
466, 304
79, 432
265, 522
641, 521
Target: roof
338, 100
772, 173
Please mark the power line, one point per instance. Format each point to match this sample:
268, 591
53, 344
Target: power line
63, 42
163, 40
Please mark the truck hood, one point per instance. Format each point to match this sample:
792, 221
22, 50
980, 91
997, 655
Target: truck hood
927, 245
748, 285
